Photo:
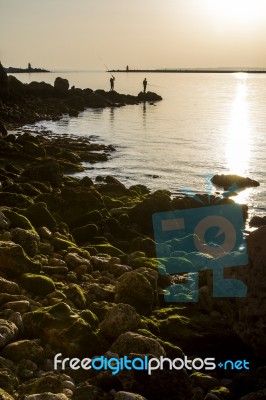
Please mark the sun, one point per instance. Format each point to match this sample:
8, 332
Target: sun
237, 11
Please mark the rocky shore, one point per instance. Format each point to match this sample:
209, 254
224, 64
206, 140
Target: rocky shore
79, 276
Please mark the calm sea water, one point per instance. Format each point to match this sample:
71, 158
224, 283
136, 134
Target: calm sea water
206, 124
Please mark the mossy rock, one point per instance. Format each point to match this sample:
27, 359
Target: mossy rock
75, 294
28, 349
43, 187
61, 244
17, 220
34, 149
85, 219
91, 318
30, 190
15, 200
51, 383
65, 330
37, 284
92, 250
108, 249
139, 262
39, 215
8, 381
112, 203
100, 308
14, 261
221, 392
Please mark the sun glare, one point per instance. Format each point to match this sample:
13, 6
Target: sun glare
237, 11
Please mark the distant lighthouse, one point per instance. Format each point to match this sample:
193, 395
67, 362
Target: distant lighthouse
29, 67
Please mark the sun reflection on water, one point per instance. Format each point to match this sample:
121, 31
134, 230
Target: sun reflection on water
239, 136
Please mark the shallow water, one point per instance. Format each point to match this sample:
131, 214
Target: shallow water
206, 124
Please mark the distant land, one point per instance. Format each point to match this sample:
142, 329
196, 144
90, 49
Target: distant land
193, 70
15, 70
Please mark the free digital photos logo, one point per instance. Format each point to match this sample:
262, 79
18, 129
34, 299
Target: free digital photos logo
209, 237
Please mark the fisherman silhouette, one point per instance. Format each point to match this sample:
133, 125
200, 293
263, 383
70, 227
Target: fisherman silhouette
112, 83
145, 85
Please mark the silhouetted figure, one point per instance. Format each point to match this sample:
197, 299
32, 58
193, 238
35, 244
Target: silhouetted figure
145, 85
112, 83
127, 68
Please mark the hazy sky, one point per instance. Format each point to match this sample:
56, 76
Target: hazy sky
85, 34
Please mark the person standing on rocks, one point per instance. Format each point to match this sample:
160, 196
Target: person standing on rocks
145, 85
112, 83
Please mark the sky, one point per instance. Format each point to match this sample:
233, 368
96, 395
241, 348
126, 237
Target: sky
93, 34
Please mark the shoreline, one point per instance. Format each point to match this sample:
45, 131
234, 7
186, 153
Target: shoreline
79, 276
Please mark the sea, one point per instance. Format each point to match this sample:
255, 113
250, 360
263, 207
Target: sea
206, 124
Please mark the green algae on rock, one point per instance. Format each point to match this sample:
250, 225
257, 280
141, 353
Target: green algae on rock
37, 284
14, 261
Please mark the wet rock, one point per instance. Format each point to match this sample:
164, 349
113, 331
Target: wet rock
28, 239
27, 349
131, 342
8, 287
14, 261
135, 289
226, 181
37, 284
120, 319
8, 332
47, 170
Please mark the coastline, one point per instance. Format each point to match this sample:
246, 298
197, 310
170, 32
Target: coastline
80, 276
